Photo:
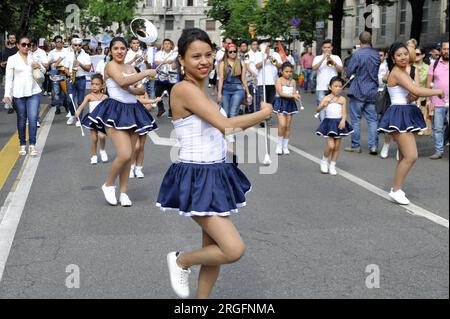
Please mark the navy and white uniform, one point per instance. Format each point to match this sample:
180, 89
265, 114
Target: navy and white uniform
330, 125
86, 121
284, 105
122, 111
401, 116
202, 183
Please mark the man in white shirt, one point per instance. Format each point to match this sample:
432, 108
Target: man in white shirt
56, 60
135, 56
150, 56
168, 75
327, 66
271, 62
253, 72
81, 61
39, 56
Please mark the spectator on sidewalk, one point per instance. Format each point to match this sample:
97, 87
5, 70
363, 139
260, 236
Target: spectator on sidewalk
364, 64
307, 67
438, 78
9, 50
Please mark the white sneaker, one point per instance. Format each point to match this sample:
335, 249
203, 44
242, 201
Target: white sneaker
138, 172
324, 166
399, 197
332, 169
286, 151
125, 200
103, 156
179, 277
110, 194
279, 150
94, 160
70, 120
78, 124
384, 151
38, 124
132, 173
68, 114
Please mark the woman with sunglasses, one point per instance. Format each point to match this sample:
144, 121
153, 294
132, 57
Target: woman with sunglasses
232, 82
26, 92
422, 68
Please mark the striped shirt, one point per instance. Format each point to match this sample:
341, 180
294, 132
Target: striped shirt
365, 64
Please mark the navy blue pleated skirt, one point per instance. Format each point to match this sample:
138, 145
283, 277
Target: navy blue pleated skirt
89, 124
330, 127
402, 119
203, 189
285, 106
122, 116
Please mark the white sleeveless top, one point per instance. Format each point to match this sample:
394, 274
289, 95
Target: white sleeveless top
116, 92
333, 111
200, 142
398, 95
286, 90
93, 105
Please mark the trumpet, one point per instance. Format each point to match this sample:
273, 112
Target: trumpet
73, 74
246, 57
273, 60
330, 62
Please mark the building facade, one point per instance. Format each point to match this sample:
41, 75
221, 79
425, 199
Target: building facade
172, 16
393, 23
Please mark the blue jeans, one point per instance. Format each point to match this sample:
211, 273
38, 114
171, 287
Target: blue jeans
77, 90
27, 108
440, 115
151, 89
57, 94
319, 97
357, 109
231, 101
309, 80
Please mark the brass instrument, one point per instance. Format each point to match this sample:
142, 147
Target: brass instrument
144, 30
330, 62
246, 57
273, 60
73, 74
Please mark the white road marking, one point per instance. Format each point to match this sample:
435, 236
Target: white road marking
411, 208
11, 211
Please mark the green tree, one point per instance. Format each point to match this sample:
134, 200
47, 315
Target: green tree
243, 13
309, 11
220, 11
273, 19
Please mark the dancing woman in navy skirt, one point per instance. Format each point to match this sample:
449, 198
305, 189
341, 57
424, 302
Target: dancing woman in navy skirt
123, 117
402, 119
202, 185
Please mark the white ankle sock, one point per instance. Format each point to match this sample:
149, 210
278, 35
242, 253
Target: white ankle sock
324, 158
332, 163
285, 142
280, 140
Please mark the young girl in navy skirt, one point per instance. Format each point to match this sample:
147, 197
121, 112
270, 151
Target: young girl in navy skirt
93, 99
202, 185
123, 117
285, 106
334, 126
403, 119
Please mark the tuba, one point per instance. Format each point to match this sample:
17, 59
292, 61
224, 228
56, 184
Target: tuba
146, 33
73, 74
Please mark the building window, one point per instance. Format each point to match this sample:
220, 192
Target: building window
149, 3
190, 3
402, 17
169, 4
425, 16
169, 24
210, 25
189, 24
383, 21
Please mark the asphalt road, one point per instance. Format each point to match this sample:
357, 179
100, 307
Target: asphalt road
307, 235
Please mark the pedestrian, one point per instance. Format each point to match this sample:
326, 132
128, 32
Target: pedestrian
285, 106
93, 99
167, 76
252, 78
10, 49
402, 119
39, 56
422, 69
150, 56
307, 67
364, 64
334, 126
57, 76
327, 67
21, 86
202, 185
123, 118
77, 66
438, 74
232, 81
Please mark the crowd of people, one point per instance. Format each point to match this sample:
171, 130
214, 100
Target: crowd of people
250, 82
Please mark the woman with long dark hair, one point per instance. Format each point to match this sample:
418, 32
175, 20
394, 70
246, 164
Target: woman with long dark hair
402, 119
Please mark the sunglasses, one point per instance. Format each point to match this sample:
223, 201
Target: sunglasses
76, 45
418, 53
231, 52
23, 44
58, 42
